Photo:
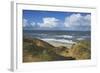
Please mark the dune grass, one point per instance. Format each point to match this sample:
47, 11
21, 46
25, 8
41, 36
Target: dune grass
35, 50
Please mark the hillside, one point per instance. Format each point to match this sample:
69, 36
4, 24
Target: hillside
39, 50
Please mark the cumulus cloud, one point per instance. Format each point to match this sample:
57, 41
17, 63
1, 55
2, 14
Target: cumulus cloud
77, 21
26, 23
49, 22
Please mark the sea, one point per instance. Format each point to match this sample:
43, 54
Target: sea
60, 36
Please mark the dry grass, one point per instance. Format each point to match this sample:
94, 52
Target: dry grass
35, 50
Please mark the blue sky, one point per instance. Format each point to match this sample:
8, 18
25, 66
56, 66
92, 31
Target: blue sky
52, 20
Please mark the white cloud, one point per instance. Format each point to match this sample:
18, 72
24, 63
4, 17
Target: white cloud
49, 22
72, 22
77, 21
32, 24
25, 22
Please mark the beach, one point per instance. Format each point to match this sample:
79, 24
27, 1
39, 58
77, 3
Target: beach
58, 44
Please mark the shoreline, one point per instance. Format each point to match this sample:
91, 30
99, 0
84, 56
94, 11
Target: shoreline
59, 44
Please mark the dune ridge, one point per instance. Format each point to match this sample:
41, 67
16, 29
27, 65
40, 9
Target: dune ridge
37, 50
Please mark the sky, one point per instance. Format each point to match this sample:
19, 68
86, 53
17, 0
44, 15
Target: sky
56, 20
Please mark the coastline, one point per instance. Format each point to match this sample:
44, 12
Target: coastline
58, 44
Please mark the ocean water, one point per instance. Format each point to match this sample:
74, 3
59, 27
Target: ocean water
58, 36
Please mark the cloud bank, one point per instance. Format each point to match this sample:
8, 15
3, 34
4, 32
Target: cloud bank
72, 22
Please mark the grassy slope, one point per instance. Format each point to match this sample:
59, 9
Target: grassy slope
38, 50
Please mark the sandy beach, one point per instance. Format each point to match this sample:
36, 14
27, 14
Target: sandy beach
58, 44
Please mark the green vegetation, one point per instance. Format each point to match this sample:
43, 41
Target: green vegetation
81, 50
35, 50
